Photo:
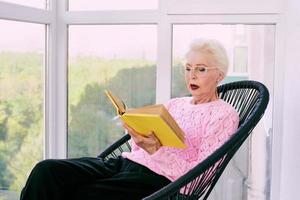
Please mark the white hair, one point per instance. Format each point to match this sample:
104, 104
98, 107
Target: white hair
214, 48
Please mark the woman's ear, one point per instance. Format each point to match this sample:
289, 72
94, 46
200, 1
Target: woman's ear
220, 77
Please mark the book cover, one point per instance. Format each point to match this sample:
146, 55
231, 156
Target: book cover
154, 118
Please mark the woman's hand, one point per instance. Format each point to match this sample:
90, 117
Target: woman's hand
149, 143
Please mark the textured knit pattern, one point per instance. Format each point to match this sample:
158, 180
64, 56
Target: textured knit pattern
206, 126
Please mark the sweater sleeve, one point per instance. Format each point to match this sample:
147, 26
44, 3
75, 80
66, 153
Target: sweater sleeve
218, 129
133, 145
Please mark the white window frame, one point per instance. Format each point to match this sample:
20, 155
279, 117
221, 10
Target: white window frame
169, 12
15, 12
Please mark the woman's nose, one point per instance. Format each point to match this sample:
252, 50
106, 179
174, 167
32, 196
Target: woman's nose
193, 74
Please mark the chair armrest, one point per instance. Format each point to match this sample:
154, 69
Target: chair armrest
116, 148
194, 180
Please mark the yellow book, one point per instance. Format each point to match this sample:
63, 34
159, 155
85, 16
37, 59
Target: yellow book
154, 118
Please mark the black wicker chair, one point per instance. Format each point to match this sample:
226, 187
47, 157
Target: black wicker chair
250, 99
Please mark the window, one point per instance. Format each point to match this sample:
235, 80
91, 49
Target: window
34, 3
21, 103
122, 57
240, 59
251, 54
112, 4
119, 57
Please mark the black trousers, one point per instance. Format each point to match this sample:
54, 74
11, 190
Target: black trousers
91, 179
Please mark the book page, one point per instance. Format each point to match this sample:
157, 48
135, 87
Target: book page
119, 105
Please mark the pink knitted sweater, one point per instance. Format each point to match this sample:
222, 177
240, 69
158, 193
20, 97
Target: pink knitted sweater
207, 126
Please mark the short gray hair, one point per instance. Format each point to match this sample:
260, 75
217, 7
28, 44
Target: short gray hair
213, 47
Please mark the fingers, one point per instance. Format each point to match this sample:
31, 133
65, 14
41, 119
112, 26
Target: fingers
130, 130
155, 139
152, 135
149, 143
137, 138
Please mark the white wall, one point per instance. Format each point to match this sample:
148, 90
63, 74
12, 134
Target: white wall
290, 166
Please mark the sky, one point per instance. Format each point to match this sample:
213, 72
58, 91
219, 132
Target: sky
109, 41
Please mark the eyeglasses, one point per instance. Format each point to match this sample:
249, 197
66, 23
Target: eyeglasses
199, 70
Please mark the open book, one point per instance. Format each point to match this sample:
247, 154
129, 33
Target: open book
154, 118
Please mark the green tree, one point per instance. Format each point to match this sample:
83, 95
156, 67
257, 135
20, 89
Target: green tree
178, 83
21, 116
92, 127
29, 153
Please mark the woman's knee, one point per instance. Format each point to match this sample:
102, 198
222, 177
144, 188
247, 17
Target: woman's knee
44, 168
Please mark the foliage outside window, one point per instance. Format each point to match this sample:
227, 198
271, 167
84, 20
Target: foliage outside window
117, 57
21, 103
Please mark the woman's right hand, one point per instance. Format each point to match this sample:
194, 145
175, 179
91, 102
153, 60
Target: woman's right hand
149, 143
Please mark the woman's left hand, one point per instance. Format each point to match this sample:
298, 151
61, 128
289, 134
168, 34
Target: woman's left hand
149, 143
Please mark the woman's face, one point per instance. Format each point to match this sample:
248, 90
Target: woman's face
201, 74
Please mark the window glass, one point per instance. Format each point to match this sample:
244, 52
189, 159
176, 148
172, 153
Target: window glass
251, 56
21, 103
121, 58
112, 4
240, 59
34, 3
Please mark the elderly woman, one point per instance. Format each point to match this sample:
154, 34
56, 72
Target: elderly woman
206, 120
